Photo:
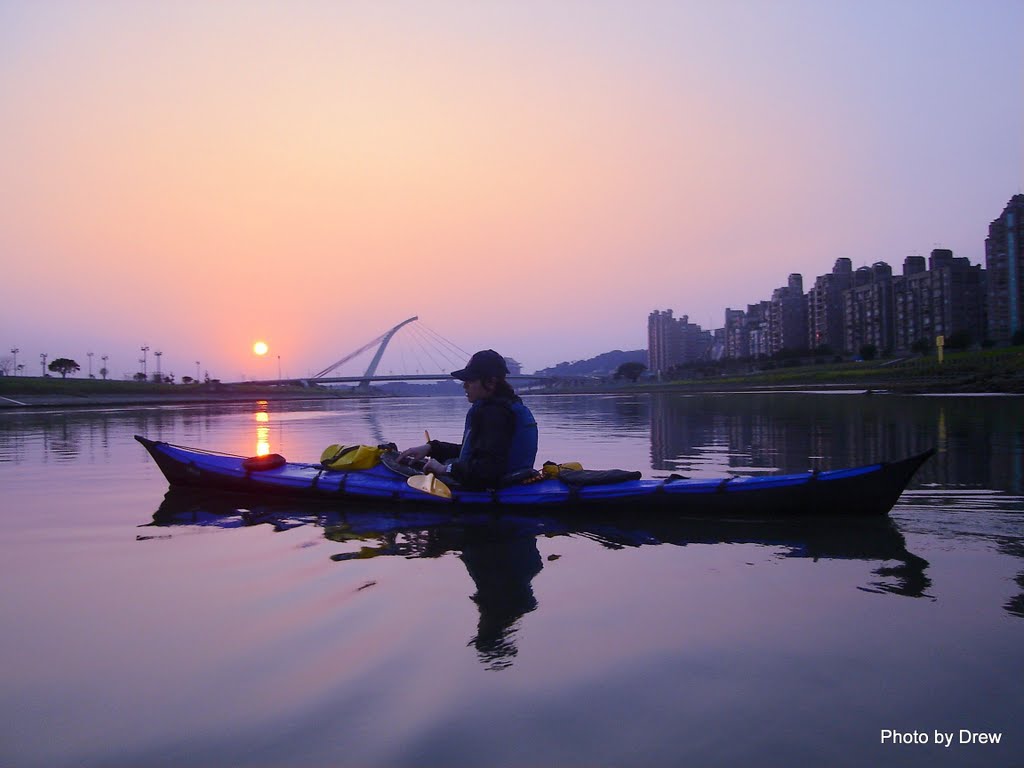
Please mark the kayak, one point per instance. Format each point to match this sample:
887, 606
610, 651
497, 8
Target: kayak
869, 490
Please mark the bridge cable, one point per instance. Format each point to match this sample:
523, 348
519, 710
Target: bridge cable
449, 358
450, 344
426, 351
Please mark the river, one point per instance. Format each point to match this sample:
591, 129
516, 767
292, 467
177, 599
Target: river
144, 629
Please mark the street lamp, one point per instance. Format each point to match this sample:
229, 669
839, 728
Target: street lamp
144, 348
15, 352
89, 355
103, 372
42, 360
278, 367
158, 353
197, 371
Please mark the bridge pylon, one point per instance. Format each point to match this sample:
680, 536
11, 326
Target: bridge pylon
382, 340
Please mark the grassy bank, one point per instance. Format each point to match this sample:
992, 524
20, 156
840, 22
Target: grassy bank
993, 370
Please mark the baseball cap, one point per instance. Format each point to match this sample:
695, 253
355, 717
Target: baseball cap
484, 364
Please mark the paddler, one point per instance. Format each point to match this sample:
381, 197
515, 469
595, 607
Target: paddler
500, 437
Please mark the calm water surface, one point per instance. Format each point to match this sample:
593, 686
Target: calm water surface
144, 629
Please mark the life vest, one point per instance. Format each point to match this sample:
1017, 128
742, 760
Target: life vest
522, 451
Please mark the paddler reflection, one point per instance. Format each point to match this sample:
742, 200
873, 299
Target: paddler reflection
502, 561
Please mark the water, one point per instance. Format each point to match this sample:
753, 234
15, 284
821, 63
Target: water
144, 630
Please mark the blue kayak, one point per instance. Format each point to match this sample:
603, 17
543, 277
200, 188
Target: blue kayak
861, 491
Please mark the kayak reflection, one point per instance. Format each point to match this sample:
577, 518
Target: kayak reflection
501, 556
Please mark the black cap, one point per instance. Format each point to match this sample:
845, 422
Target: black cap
485, 364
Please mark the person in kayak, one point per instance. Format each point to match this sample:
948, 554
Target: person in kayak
500, 436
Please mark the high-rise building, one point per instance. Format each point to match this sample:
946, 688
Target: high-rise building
1004, 264
737, 342
788, 316
663, 347
913, 305
759, 329
902, 312
825, 307
868, 309
672, 342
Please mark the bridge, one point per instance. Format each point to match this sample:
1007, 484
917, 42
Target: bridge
426, 343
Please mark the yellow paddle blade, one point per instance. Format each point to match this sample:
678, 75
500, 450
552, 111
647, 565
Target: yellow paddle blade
430, 484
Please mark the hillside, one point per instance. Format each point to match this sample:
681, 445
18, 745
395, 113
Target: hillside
604, 364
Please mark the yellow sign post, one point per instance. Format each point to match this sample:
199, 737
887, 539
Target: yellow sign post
940, 342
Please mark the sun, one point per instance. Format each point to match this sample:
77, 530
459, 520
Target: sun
260, 348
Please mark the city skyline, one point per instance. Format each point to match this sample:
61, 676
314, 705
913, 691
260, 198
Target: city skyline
694, 338
523, 177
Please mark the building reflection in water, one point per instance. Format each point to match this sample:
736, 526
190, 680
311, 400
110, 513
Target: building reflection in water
979, 439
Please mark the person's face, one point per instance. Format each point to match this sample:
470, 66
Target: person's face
476, 390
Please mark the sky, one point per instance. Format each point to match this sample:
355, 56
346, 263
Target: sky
532, 177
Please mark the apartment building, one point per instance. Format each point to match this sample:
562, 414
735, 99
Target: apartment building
1004, 264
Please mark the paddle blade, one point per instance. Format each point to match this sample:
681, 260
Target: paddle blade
431, 485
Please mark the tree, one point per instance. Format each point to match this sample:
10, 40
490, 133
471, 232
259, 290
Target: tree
1018, 337
186, 379
868, 351
6, 365
64, 366
921, 347
630, 371
140, 376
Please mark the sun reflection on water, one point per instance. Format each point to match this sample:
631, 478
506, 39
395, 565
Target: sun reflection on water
262, 429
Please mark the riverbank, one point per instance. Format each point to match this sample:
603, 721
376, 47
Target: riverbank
27, 392
995, 371
975, 372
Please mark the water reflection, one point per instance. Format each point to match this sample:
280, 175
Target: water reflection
502, 558
979, 439
262, 429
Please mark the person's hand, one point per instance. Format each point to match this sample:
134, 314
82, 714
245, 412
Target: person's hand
418, 453
434, 466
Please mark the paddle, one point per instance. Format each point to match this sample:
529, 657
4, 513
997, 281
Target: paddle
430, 485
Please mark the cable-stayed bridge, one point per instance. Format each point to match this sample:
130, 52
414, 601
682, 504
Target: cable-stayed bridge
423, 350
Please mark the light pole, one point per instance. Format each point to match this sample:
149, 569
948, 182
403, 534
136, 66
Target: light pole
89, 355
158, 353
144, 348
278, 367
197, 371
15, 352
103, 372
42, 360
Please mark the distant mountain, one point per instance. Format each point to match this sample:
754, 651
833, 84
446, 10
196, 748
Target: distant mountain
604, 364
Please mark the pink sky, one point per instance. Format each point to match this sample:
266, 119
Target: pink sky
534, 177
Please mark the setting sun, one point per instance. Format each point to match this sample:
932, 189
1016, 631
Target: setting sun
260, 348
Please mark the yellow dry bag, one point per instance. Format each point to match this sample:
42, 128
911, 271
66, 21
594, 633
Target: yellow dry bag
350, 457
